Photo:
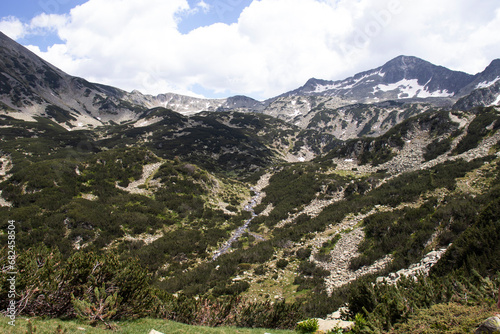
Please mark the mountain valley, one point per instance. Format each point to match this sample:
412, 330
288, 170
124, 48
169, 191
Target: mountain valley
342, 183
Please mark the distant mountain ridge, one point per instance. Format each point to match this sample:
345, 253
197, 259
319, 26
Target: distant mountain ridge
403, 77
31, 87
191, 105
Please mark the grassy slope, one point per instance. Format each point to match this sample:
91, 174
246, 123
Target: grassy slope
129, 327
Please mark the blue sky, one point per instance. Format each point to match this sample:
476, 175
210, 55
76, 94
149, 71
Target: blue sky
25, 10
258, 48
221, 11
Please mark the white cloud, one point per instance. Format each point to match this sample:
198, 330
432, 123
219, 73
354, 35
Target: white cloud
275, 46
205, 7
12, 27
51, 22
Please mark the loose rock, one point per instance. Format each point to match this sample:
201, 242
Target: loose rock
489, 326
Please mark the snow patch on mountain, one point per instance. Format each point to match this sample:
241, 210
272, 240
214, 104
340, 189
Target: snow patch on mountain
410, 89
324, 88
349, 83
486, 83
496, 102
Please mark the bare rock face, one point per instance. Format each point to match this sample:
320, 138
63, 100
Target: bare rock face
352, 108
331, 324
486, 96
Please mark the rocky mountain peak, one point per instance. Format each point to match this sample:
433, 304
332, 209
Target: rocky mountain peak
493, 66
430, 77
405, 63
406, 67
490, 74
404, 77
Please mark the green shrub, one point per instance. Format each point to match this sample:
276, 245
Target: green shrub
307, 326
281, 263
47, 283
99, 306
384, 305
359, 323
326, 248
485, 123
303, 253
437, 148
477, 247
260, 270
453, 318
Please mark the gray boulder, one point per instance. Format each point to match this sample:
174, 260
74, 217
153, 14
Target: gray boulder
489, 326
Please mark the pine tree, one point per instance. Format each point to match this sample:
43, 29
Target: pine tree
99, 307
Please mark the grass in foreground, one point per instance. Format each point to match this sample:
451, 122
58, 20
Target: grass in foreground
141, 326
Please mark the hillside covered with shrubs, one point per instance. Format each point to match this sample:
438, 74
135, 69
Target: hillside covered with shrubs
123, 222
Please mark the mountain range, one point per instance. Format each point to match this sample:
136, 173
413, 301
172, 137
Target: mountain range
34, 87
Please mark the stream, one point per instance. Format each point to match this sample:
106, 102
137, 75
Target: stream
239, 232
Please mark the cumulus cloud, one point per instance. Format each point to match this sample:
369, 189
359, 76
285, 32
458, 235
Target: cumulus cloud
13, 27
48, 22
275, 45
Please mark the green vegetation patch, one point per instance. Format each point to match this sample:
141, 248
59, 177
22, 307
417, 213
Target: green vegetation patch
451, 318
485, 124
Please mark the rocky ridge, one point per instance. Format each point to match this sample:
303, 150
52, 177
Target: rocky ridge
483, 96
421, 268
402, 77
31, 87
